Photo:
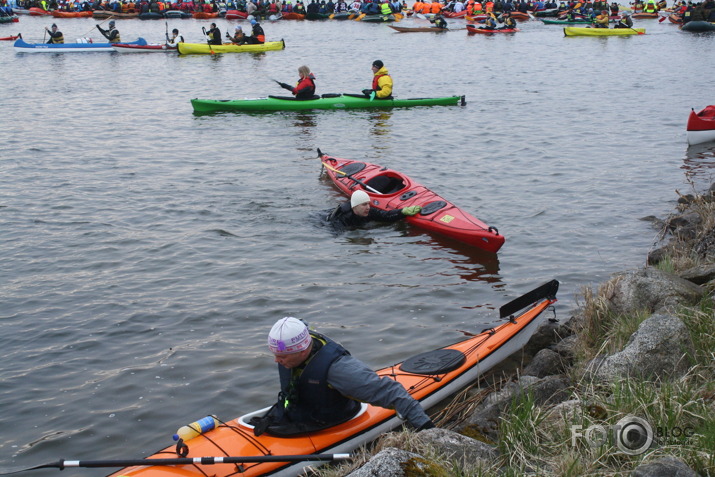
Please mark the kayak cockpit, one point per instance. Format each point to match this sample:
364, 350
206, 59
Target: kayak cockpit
291, 430
388, 183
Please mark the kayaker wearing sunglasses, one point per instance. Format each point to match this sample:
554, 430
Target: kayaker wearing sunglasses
322, 385
357, 212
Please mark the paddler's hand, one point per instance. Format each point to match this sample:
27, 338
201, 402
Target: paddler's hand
286, 86
411, 210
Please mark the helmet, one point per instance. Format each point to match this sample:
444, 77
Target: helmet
289, 335
238, 28
359, 197
111, 23
253, 21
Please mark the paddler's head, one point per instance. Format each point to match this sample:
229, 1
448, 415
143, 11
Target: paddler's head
360, 202
290, 342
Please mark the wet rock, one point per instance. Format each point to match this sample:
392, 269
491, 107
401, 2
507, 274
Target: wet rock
650, 289
664, 467
658, 349
458, 447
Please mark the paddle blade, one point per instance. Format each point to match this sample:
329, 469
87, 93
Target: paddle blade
547, 290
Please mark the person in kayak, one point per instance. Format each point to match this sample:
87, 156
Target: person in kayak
174, 39
357, 212
601, 21
238, 38
56, 36
381, 82
111, 34
439, 21
490, 23
214, 35
624, 22
305, 89
322, 385
258, 37
508, 20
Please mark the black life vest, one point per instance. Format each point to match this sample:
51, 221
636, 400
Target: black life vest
307, 398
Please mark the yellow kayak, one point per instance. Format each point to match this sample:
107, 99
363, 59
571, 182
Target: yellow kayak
582, 31
206, 49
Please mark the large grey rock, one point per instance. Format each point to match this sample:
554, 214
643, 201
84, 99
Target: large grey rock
454, 446
389, 461
650, 289
664, 467
700, 274
658, 349
545, 363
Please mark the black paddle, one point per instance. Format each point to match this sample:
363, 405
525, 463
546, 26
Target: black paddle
62, 463
284, 85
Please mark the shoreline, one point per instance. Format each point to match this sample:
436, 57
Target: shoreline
636, 355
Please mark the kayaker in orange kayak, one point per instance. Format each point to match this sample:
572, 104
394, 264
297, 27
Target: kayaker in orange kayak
381, 82
357, 212
322, 385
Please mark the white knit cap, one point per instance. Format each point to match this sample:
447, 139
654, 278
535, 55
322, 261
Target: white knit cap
359, 197
289, 335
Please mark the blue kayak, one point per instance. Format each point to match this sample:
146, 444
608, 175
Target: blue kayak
24, 47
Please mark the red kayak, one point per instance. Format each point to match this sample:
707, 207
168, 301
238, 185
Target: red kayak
701, 125
389, 190
10, 38
235, 15
486, 31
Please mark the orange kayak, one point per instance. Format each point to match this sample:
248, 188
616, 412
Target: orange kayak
429, 377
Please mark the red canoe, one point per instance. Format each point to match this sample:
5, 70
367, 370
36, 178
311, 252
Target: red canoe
38, 11
701, 125
235, 15
60, 14
389, 190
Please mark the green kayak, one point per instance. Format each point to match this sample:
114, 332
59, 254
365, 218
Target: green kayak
326, 101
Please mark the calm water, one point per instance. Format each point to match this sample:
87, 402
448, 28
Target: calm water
146, 251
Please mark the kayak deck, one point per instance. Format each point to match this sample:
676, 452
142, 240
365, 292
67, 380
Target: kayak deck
326, 101
206, 49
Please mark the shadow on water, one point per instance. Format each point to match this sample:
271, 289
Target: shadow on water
469, 263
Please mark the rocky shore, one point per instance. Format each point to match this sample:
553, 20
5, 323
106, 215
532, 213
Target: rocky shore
624, 386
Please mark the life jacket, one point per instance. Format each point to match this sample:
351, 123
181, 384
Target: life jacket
57, 39
417, 6
385, 9
650, 8
436, 7
307, 397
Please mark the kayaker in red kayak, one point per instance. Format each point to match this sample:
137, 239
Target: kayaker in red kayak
175, 38
357, 212
305, 89
317, 375
381, 82
56, 36
509, 22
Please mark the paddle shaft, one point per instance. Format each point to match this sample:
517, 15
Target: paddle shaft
90, 31
62, 464
349, 176
208, 41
